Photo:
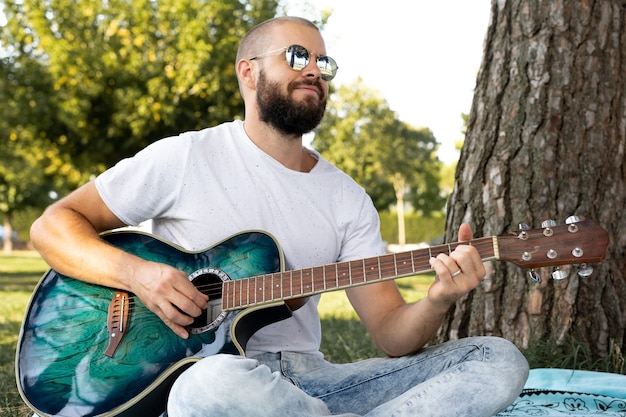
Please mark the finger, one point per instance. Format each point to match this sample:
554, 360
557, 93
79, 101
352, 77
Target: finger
450, 263
444, 266
465, 232
180, 330
189, 299
468, 259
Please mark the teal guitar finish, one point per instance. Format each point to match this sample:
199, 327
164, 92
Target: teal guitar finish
61, 366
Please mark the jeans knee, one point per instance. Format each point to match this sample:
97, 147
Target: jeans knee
512, 364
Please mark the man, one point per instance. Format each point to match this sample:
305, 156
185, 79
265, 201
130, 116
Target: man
202, 187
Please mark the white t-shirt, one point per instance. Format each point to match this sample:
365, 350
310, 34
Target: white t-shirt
202, 187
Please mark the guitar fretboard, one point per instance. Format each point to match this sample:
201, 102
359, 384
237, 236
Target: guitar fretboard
286, 285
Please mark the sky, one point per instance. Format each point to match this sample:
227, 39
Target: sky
422, 55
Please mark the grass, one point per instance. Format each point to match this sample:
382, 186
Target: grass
344, 337
19, 273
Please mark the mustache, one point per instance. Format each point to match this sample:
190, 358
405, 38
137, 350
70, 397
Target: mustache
314, 83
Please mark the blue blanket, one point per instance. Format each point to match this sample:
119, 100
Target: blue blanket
564, 392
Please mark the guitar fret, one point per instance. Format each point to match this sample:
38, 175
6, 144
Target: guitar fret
306, 284
247, 292
267, 288
350, 271
241, 282
224, 299
364, 272
388, 267
370, 270
233, 292
395, 264
404, 263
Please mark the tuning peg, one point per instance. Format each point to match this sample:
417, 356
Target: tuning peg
584, 270
559, 274
571, 222
523, 228
534, 276
547, 227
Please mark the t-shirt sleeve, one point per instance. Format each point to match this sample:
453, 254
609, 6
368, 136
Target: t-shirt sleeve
144, 186
363, 238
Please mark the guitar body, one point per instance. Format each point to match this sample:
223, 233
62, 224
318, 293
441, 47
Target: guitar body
61, 366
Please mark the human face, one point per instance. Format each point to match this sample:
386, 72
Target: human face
292, 101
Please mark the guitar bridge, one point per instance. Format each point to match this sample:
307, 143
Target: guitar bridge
117, 320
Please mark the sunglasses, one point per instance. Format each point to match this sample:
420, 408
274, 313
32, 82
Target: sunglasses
298, 57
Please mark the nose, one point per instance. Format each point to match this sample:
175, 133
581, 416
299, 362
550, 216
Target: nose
312, 70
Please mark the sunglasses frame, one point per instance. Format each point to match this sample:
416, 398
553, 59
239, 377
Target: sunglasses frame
291, 49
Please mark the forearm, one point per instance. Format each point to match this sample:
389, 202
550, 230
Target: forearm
71, 245
409, 327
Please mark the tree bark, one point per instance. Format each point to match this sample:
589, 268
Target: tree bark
545, 140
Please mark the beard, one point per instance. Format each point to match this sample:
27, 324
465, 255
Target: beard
288, 116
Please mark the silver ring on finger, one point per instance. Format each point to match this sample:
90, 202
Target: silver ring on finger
456, 274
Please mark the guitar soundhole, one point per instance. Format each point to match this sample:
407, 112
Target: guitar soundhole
209, 281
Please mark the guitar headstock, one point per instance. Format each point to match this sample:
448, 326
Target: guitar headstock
577, 242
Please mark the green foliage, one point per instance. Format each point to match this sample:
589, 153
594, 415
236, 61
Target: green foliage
419, 228
30, 164
86, 83
125, 73
363, 137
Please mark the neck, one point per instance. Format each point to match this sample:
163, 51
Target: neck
287, 150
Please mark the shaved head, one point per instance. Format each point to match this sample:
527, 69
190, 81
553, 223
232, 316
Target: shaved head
256, 40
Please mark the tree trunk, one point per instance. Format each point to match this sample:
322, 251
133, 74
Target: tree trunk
545, 140
7, 244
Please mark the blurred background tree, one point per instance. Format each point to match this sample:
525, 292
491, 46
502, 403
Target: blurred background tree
85, 84
395, 162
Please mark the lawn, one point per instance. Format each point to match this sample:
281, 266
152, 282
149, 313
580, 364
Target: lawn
19, 273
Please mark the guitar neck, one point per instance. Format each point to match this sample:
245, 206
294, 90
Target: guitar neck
286, 285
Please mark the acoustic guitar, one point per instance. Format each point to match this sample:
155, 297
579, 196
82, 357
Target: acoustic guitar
88, 350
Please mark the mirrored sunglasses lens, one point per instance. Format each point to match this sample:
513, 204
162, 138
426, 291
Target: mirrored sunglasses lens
297, 57
328, 67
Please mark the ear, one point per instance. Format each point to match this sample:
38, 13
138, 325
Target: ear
247, 74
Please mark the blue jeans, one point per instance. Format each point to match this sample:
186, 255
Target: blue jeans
472, 377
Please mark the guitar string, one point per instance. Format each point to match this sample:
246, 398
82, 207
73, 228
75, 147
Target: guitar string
383, 263
215, 288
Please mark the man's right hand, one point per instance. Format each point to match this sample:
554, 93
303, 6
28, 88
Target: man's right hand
168, 293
